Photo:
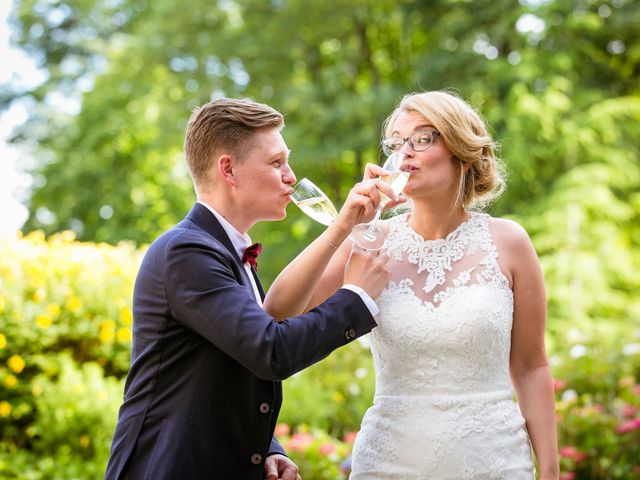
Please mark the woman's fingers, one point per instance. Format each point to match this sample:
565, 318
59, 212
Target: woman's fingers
371, 170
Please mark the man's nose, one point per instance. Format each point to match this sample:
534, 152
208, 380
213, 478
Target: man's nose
289, 177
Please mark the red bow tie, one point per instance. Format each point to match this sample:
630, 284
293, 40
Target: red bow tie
251, 253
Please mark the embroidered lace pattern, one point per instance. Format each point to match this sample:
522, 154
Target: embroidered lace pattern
443, 407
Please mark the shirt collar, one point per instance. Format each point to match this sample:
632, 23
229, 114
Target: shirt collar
240, 241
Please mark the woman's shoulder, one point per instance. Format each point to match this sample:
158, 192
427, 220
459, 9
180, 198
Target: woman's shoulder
509, 234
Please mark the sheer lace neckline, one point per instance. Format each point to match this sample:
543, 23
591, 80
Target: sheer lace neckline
448, 238
467, 254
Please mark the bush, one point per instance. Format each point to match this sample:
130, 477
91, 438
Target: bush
65, 339
318, 455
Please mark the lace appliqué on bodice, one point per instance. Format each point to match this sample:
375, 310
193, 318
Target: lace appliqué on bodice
437, 257
443, 404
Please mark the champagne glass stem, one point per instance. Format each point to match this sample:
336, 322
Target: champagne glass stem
371, 234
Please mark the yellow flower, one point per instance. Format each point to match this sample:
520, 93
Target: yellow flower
125, 316
39, 295
5, 409
3, 341
10, 381
44, 321
73, 303
337, 397
53, 310
16, 363
124, 335
36, 236
107, 331
36, 390
66, 236
84, 441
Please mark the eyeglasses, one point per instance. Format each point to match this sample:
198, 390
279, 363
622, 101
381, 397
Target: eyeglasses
419, 142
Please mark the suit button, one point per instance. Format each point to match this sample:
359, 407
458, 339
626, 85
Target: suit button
264, 408
256, 458
350, 334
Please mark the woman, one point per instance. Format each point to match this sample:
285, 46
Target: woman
461, 324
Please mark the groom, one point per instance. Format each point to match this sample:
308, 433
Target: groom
203, 393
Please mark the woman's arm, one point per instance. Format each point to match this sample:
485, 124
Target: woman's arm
318, 271
529, 365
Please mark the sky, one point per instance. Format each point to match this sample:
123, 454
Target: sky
16, 67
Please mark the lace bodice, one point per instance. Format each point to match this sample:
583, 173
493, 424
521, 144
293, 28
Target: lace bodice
445, 319
443, 406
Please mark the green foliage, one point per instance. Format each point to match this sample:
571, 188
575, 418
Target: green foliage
341, 387
65, 341
318, 455
74, 412
557, 82
598, 405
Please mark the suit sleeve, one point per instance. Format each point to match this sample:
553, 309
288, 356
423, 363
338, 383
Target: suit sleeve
205, 295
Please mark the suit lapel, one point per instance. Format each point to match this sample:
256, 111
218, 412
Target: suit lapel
207, 221
258, 284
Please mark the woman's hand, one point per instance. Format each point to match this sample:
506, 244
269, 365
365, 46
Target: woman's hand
364, 198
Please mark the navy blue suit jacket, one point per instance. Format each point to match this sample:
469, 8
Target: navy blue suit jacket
203, 393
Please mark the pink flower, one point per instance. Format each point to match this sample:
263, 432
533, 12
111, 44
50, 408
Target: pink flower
573, 453
282, 429
300, 442
579, 456
349, 437
628, 426
559, 385
628, 411
327, 449
568, 452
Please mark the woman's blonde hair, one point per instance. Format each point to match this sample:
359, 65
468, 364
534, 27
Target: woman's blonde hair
465, 134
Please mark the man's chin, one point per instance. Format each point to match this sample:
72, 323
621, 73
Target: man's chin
276, 217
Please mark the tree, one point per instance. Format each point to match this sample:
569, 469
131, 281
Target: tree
115, 170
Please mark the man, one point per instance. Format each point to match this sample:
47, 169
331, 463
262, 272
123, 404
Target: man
203, 392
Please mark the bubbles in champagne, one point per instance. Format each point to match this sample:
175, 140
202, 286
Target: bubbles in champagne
396, 180
318, 208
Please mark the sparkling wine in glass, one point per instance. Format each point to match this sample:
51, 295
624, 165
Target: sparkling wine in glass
367, 235
313, 202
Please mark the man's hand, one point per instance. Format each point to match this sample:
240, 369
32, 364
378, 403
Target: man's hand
279, 467
368, 271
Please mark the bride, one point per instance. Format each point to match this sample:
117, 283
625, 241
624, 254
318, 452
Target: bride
461, 323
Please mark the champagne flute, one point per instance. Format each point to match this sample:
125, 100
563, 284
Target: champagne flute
313, 202
367, 235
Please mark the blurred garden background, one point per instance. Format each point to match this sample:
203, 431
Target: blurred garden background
557, 80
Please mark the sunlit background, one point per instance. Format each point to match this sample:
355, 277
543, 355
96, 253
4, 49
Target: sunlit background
94, 100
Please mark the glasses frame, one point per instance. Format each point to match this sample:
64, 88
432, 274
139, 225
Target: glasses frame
434, 134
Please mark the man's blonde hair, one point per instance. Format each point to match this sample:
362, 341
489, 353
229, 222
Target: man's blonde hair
222, 125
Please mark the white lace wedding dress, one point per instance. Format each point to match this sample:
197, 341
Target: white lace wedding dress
443, 406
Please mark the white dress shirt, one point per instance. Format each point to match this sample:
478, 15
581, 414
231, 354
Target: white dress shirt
242, 241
